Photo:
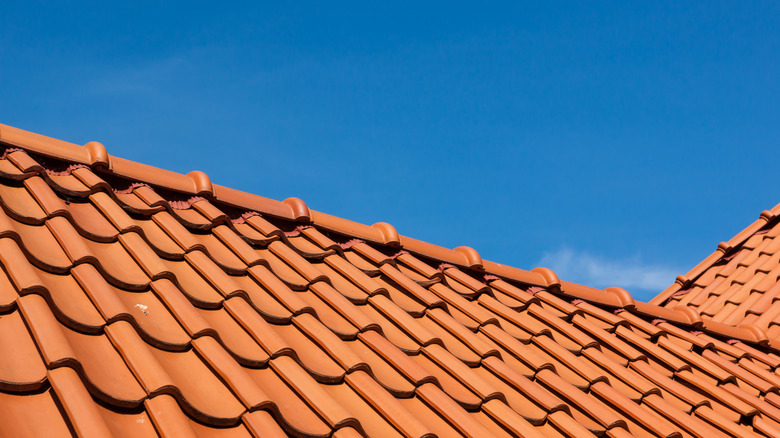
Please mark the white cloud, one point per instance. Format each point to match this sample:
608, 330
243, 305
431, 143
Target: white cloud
596, 271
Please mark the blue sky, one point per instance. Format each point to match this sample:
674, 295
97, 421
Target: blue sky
615, 144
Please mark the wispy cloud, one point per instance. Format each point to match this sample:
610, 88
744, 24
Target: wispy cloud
147, 78
593, 270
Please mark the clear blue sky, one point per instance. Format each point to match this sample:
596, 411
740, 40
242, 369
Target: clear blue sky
616, 144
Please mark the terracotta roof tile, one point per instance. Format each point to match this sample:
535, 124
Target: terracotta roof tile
738, 280
141, 302
22, 367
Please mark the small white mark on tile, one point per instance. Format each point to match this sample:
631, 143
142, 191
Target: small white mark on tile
143, 308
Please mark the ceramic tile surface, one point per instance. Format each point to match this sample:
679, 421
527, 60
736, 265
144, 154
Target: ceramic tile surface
739, 283
137, 309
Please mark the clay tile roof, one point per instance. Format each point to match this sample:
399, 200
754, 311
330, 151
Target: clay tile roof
140, 302
738, 284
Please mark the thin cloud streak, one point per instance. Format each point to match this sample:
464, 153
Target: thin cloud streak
593, 270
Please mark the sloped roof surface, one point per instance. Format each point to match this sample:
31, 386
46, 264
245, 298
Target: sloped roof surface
738, 284
135, 302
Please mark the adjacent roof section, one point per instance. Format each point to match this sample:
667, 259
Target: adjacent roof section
738, 284
138, 302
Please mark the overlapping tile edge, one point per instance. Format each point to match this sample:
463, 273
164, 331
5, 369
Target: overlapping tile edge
474, 348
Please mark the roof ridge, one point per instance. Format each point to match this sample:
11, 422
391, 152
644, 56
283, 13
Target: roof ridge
684, 281
198, 184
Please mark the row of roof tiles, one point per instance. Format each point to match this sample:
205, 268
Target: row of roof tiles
126, 313
182, 190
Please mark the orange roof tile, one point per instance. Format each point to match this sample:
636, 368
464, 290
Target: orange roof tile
140, 302
738, 284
